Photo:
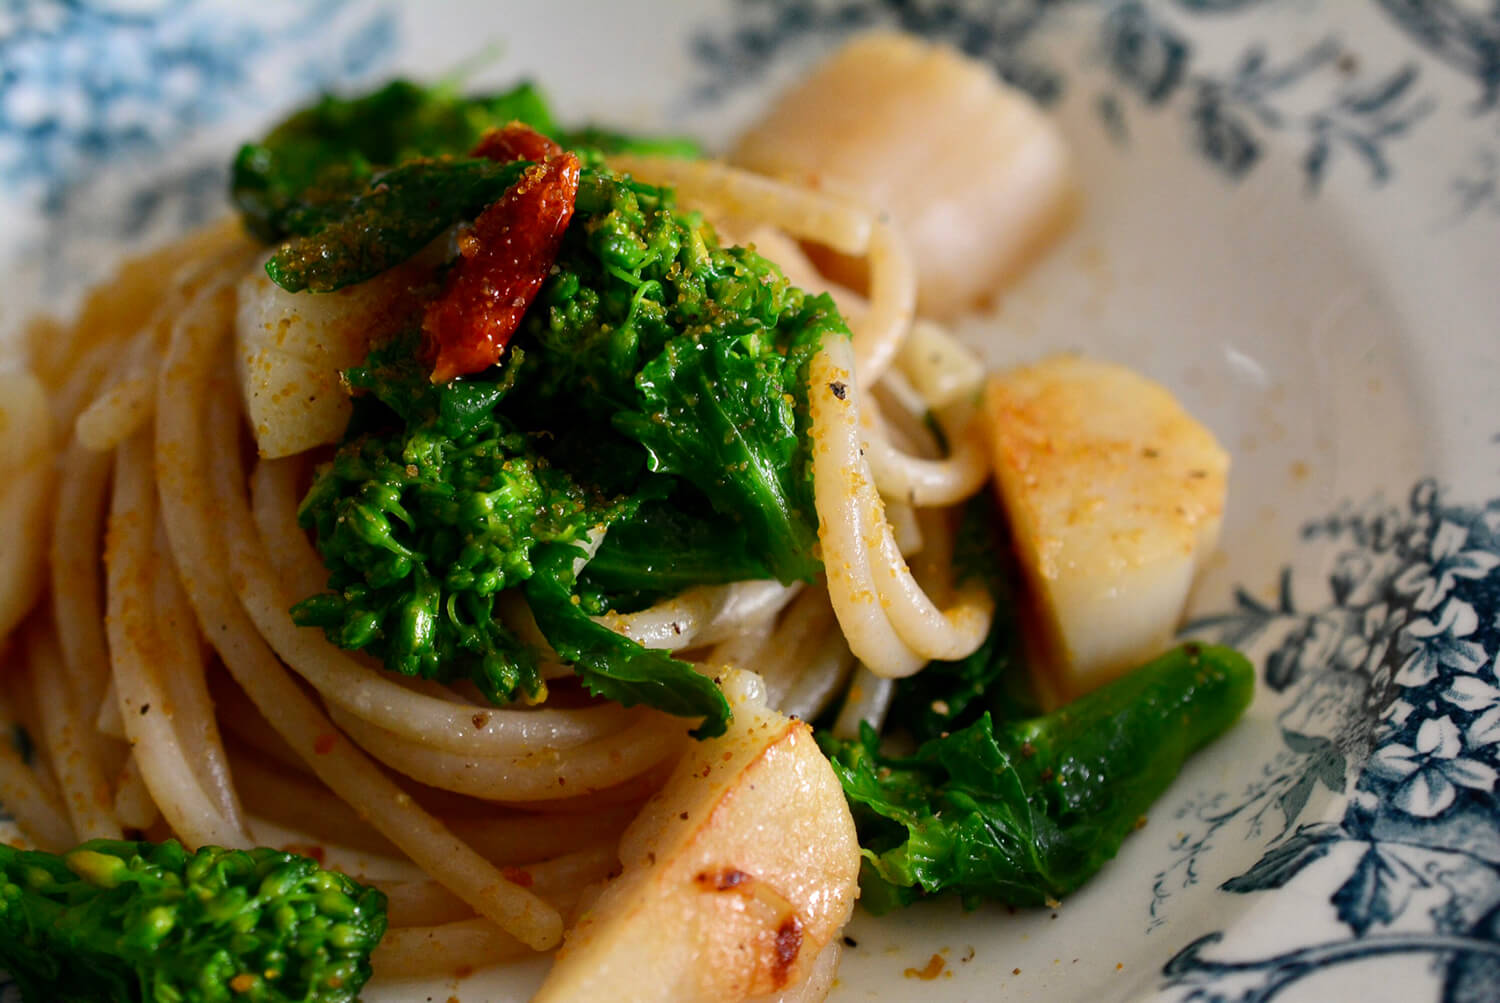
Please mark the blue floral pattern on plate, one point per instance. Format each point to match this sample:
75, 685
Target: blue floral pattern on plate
1396, 670
1317, 94
86, 85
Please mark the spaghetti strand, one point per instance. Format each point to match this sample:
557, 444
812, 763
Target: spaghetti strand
187, 498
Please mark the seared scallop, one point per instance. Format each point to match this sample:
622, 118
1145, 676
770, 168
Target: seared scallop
977, 178
1115, 495
736, 876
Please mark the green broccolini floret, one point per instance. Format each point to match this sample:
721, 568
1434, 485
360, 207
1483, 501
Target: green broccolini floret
1025, 812
120, 922
337, 147
422, 523
655, 368
695, 351
1000, 801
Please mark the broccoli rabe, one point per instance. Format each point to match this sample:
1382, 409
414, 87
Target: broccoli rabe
1027, 811
613, 666
657, 379
436, 503
354, 235
695, 351
361, 184
948, 695
422, 526
662, 549
122, 922
335, 146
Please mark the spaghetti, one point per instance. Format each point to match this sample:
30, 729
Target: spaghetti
219, 715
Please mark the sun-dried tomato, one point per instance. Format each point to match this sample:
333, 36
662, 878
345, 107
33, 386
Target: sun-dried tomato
515, 142
505, 258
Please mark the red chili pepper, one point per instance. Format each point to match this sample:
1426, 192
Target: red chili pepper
505, 257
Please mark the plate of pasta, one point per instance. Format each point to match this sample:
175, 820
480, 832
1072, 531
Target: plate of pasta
761, 500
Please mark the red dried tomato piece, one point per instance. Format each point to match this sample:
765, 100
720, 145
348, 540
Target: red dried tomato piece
505, 259
515, 141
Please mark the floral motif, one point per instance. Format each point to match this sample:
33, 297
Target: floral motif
1461, 36
1319, 97
1432, 580
85, 84
1145, 56
1482, 699
1218, 6
1441, 643
1232, 113
761, 32
1477, 187
1224, 135
1427, 777
1407, 654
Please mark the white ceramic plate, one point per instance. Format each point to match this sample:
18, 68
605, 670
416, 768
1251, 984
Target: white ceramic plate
1292, 219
